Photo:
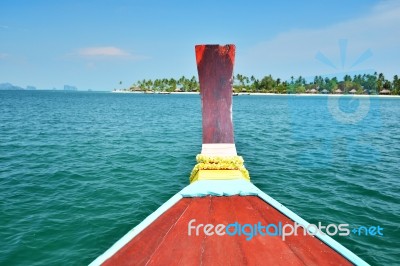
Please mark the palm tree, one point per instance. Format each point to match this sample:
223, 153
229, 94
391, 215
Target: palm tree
396, 84
380, 82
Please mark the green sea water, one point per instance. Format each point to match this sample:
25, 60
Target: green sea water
80, 169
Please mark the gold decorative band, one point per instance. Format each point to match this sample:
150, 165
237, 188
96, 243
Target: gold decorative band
218, 167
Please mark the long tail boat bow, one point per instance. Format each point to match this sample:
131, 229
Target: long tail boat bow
218, 159
221, 218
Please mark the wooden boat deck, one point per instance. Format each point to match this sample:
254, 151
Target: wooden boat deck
166, 240
216, 197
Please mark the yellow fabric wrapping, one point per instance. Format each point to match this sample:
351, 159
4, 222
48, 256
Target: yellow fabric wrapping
218, 167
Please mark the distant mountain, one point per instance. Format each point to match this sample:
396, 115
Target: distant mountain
9, 86
70, 88
30, 88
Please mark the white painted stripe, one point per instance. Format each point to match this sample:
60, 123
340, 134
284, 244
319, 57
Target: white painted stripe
219, 149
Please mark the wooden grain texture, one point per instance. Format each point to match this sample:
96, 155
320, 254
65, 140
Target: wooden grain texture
215, 69
166, 240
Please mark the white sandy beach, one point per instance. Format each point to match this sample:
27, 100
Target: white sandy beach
321, 95
277, 94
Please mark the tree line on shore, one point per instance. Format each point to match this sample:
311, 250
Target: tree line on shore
358, 84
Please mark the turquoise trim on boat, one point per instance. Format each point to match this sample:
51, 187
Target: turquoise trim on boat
136, 230
232, 187
204, 188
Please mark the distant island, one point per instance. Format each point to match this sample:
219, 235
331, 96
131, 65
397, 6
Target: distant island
361, 84
364, 84
9, 86
70, 88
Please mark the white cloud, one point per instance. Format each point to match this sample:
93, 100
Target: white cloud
106, 51
294, 52
100, 53
3, 55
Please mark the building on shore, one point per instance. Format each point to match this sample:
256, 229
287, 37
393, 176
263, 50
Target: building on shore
135, 88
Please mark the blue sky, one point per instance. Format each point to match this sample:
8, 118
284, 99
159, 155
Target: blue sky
95, 44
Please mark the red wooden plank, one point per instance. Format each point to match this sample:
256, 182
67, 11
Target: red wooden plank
140, 249
177, 247
215, 69
261, 250
310, 250
222, 250
166, 240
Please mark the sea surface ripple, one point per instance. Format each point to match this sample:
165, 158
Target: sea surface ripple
80, 169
